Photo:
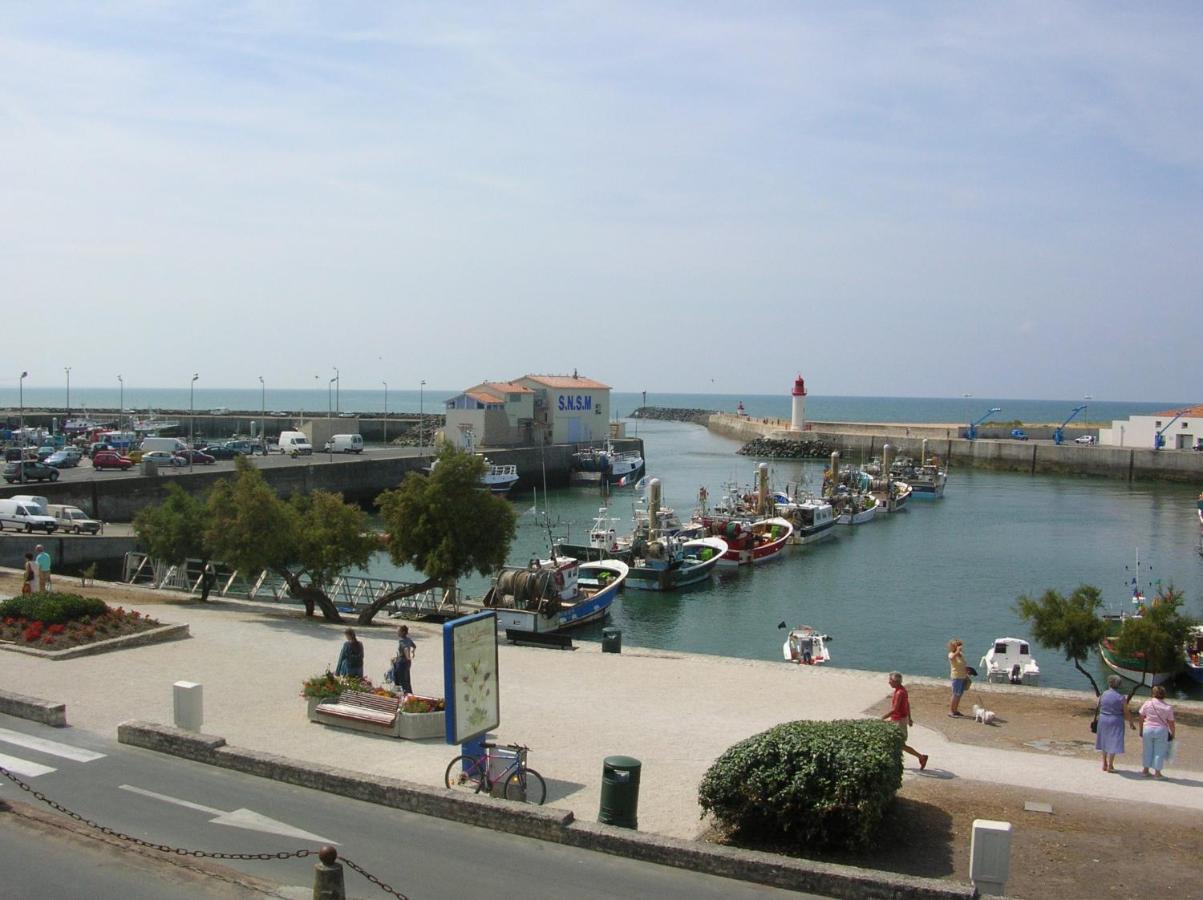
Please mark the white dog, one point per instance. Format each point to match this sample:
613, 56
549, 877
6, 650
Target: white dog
983, 715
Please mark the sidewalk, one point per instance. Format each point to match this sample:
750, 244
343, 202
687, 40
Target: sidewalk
676, 712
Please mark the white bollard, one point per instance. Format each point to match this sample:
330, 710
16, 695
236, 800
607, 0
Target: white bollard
189, 705
990, 856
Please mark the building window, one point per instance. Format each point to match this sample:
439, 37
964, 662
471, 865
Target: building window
1157, 424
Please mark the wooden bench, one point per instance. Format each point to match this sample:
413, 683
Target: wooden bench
360, 708
542, 639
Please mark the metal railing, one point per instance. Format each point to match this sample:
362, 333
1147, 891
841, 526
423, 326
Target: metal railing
349, 592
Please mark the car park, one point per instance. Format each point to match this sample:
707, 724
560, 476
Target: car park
63, 459
29, 471
1085, 439
163, 458
110, 459
199, 457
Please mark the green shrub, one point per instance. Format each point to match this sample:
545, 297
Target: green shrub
814, 784
52, 609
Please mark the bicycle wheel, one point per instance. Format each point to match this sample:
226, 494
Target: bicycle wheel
466, 774
527, 785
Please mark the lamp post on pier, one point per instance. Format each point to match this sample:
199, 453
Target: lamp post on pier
262, 415
421, 419
385, 383
330, 421
191, 416
121, 408
21, 391
337, 379
67, 369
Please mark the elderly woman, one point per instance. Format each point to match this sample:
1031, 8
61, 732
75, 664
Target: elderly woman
1156, 731
350, 658
1112, 713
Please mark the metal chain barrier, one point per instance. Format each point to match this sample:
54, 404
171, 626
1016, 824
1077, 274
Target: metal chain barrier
180, 851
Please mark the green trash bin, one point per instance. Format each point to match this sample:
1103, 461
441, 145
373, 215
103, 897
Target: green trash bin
620, 792
611, 639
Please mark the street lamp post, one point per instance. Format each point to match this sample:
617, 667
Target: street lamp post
421, 418
329, 421
262, 415
385, 383
191, 417
337, 384
121, 408
67, 369
21, 391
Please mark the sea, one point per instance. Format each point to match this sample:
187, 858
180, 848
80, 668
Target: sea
890, 593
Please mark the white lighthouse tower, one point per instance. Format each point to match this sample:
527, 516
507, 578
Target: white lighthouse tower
798, 419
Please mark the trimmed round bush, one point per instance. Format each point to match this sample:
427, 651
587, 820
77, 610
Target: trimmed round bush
809, 784
52, 609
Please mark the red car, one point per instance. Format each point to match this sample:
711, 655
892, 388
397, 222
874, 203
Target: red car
110, 459
197, 456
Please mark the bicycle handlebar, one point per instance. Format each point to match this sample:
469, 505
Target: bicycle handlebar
489, 746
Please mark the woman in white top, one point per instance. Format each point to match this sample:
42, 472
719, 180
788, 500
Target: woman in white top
1156, 731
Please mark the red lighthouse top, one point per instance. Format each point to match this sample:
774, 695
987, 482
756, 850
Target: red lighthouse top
799, 387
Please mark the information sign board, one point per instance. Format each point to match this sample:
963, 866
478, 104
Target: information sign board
470, 676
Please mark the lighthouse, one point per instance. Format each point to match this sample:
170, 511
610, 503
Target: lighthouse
798, 419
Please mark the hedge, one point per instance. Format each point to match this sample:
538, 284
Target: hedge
53, 609
808, 784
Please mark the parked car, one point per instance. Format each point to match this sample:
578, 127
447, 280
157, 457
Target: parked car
93, 449
110, 459
246, 448
199, 457
1084, 439
220, 451
1019, 434
73, 519
46, 450
63, 459
29, 471
12, 454
163, 458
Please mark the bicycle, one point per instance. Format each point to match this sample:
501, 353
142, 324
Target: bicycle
473, 774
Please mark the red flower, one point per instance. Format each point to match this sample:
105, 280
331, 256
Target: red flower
56, 629
48, 639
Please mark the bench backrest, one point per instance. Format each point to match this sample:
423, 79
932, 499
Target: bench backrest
370, 701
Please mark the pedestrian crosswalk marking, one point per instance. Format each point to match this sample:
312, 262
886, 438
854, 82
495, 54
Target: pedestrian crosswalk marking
45, 745
19, 766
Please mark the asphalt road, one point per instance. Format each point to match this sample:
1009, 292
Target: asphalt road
184, 804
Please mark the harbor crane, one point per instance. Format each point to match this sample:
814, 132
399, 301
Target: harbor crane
971, 431
1059, 432
1159, 437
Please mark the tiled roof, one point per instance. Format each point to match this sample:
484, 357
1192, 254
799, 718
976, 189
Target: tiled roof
569, 381
483, 397
507, 387
1191, 412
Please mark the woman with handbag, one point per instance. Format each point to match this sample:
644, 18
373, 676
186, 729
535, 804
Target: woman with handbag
1156, 732
1111, 715
350, 658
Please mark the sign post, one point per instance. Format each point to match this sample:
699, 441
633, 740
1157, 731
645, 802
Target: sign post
470, 678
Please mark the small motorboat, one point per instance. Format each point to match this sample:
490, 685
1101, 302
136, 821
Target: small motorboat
805, 646
1193, 660
1009, 661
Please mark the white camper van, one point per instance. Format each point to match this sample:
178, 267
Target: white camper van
345, 443
21, 514
295, 443
171, 445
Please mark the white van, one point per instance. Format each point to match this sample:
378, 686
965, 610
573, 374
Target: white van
41, 503
21, 514
295, 443
171, 445
345, 443
73, 519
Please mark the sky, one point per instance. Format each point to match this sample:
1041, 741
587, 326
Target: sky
922, 199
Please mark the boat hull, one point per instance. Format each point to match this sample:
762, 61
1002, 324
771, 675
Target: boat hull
860, 518
1129, 667
590, 608
927, 491
815, 533
759, 552
680, 573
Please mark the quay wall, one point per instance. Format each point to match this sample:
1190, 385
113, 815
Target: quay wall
69, 552
1032, 456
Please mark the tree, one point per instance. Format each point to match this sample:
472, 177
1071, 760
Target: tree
174, 531
444, 525
1069, 624
1156, 636
307, 541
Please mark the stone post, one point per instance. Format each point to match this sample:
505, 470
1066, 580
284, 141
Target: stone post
189, 705
328, 876
990, 856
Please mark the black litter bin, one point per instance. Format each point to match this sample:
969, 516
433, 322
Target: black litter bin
611, 640
620, 792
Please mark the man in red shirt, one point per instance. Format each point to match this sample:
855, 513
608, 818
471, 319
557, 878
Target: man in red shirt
900, 714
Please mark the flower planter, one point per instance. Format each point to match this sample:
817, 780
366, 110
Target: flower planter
417, 726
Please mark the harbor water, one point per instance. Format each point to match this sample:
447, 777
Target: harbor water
894, 591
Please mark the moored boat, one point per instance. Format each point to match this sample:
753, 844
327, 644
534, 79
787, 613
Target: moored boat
806, 646
603, 542
498, 479
749, 541
555, 594
671, 562
615, 467
1193, 653
1009, 661
813, 518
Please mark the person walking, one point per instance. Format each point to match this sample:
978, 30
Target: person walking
1112, 714
350, 657
899, 714
30, 573
406, 649
43, 563
1156, 732
958, 673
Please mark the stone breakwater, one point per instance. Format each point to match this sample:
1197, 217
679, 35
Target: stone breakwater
667, 414
775, 449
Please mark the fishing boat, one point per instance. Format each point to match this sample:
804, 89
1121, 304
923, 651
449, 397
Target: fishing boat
1009, 661
749, 541
1133, 667
153, 424
1193, 653
615, 467
813, 518
498, 479
806, 646
1129, 667
603, 542
669, 559
555, 594
848, 492
926, 475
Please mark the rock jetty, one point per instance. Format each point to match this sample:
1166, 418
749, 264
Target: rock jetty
669, 414
774, 449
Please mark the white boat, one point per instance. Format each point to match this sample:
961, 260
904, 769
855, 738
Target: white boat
855, 509
615, 467
813, 518
749, 541
555, 594
847, 490
670, 562
805, 646
603, 542
1193, 653
1009, 661
152, 424
498, 479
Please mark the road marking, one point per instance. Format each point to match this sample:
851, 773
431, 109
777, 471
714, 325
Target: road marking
54, 748
239, 818
19, 766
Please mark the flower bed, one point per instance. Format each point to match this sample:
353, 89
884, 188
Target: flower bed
64, 621
419, 717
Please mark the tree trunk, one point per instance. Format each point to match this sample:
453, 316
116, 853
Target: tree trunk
1094, 684
367, 614
310, 596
